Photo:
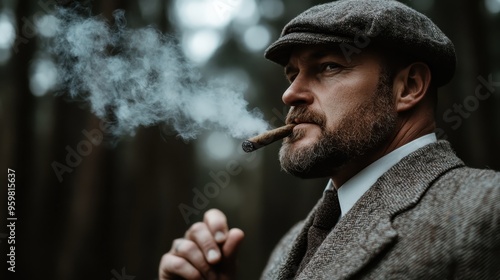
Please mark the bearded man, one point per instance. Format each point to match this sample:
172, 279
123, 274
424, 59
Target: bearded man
399, 204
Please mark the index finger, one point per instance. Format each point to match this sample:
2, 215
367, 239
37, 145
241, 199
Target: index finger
217, 224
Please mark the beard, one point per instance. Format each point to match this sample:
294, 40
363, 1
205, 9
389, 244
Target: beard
360, 132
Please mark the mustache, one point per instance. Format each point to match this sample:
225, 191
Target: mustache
303, 115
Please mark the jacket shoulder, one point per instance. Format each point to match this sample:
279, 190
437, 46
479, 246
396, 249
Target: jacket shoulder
471, 186
452, 232
474, 196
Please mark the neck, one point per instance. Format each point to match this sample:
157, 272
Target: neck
407, 131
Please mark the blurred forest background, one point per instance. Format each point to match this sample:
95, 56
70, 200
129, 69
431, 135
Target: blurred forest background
116, 211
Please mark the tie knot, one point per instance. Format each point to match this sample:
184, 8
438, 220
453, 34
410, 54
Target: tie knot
328, 211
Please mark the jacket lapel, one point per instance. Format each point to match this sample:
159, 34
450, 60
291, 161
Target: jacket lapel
366, 230
298, 248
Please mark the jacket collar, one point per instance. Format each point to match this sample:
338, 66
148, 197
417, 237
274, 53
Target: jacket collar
367, 228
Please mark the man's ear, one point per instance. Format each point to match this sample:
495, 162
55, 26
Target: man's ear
411, 85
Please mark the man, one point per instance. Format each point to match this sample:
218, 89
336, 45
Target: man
400, 205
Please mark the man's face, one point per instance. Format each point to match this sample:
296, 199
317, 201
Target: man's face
344, 110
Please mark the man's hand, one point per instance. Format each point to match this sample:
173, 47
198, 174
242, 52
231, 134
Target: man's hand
207, 251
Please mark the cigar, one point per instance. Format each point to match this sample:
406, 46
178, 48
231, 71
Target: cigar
267, 138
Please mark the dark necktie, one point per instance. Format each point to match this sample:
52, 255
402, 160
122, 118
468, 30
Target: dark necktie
325, 218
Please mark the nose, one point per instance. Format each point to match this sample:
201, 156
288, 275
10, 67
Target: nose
298, 93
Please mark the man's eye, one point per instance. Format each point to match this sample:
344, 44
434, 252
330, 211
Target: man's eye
330, 66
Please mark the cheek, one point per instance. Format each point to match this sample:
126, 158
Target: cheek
344, 101
337, 112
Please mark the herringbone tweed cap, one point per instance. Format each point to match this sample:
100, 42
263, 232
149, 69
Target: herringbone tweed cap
358, 24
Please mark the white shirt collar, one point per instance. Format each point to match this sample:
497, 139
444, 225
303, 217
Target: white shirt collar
354, 188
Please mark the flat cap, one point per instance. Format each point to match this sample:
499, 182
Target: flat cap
358, 24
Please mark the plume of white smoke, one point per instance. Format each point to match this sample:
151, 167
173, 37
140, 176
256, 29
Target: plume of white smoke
142, 78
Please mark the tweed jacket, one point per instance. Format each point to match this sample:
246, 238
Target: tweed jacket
428, 217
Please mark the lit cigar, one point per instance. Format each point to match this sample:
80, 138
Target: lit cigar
267, 138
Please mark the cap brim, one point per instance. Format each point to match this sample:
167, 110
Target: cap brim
280, 50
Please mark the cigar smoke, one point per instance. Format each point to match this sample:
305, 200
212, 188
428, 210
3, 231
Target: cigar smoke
267, 138
142, 78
